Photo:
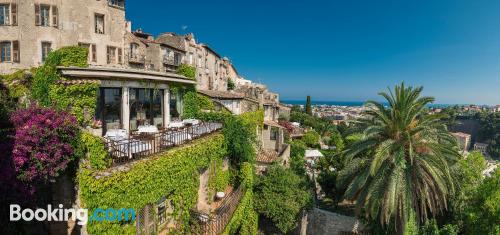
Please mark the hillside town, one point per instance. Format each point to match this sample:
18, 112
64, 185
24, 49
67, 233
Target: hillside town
108, 128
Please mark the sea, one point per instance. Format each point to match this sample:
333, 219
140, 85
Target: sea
349, 103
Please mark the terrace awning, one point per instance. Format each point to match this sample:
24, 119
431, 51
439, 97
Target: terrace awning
123, 74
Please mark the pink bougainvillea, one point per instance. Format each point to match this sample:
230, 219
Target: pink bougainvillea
43, 143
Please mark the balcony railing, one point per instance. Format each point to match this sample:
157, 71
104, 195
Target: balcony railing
142, 145
216, 222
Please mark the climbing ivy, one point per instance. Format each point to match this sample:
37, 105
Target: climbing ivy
46, 75
80, 99
187, 71
92, 148
244, 219
218, 179
174, 173
194, 103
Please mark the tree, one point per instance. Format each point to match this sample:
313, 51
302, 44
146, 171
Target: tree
240, 139
399, 171
483, 211
281, 195
230, 84
308, 105
311, 139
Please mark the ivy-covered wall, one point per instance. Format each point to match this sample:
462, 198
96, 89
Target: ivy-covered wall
174, 173
245, 219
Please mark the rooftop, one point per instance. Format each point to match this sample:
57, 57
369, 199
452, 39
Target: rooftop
221, 94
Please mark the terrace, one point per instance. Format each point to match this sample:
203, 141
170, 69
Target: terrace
149, 140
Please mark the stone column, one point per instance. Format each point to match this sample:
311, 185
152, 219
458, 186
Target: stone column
125, 109
166, 106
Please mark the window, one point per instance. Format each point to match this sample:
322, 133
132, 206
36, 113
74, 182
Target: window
146, 107
111, 55
5, 14
134, 50
120, 56
45, 15
274, 133
46, 49
117, 3
99, 23
108, 109
5, 48
9, 51
177, 58
92, 51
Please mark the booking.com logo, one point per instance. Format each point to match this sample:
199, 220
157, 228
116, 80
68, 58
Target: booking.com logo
62, 214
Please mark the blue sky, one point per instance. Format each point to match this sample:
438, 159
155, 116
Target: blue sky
346, 50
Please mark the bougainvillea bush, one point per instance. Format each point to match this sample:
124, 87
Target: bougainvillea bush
44, 142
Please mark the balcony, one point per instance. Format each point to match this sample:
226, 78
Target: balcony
142, 145
117, 3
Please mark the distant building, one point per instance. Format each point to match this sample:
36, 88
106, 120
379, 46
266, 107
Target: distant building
463, 140
481, 147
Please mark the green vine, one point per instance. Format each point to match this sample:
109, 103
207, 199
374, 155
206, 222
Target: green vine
80, 99
244, 220
92, 148
174, 173
218, 179
46, 75
194, 103
187, 71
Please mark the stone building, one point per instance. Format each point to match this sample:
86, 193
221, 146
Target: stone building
30, 29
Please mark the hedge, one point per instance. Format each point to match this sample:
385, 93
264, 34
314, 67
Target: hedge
174, 174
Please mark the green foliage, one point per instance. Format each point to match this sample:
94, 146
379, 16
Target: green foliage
483, 210
402, 162
92, 148
80, 99
329, 166
280, 195
308, 105
214, 116
174, 174
245, 219
46, 75
230, 84
489, 132
17, 83
337, 141
240, 133
194, 103
187, 71
240, 139
297, 153
431, 228
311, 139
218, 179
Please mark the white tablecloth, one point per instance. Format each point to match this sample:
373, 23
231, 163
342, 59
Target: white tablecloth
191, 121
175, 125
116, 134
147, 129
135, 146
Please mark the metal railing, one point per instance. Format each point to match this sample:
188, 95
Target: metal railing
216, 223
170, 60
141, 145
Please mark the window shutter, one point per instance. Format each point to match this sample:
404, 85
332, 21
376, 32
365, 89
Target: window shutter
120, 59
55, 17
94, 53
37, 15
14, 13
15, 52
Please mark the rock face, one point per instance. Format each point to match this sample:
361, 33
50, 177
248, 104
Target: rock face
321, 222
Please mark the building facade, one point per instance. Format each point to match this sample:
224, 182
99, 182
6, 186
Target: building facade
30, 29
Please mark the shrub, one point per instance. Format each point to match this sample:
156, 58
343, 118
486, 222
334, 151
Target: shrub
187, 71
311, 139
281, 195
240, 139
230, 84
93, 148
44, 142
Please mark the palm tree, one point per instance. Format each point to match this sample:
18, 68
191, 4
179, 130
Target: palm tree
399, 169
